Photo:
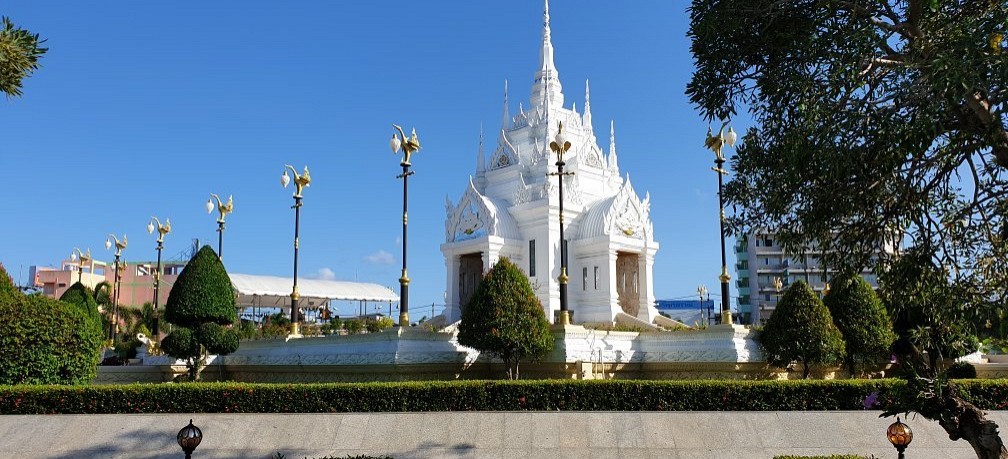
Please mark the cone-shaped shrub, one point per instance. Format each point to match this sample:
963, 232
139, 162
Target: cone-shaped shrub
862, 319
202, 293
505, 319
801, 330
200, 302
81, 296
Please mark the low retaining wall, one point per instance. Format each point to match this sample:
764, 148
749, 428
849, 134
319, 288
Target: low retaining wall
412, 354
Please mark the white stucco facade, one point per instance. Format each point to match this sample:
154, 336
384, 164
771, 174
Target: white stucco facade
511, 206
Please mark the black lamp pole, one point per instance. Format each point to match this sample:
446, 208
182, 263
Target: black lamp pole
560, 146
404, 279
301, 181
295, 315
715, 143
408, 145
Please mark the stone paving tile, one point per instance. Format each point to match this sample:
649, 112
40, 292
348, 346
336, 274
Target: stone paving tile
545, 432
474, 435
352, 431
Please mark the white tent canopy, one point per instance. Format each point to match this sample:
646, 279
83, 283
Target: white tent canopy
273, 291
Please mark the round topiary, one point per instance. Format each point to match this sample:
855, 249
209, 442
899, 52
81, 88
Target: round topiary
862, 319
49, 342
801, 330
202, 293
961, 370
504, 318
217, 339
81, 296
181, 343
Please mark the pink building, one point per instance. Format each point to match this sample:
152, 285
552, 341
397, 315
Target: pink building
136, 281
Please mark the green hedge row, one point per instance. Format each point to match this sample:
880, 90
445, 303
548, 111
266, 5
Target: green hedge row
547, 395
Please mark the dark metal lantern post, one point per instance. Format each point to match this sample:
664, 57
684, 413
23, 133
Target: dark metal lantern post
715, 143
408, 146
300, 182
162, 230
82, 259
560, 146
120, 245
223, 210
900, 436
189, 438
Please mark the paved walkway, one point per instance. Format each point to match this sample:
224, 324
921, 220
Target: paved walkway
693, 435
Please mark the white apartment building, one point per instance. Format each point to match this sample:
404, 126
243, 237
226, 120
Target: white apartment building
761, 259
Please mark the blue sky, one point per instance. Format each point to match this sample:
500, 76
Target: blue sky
144, 108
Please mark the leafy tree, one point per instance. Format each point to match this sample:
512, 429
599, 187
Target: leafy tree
19, 55
873, 123
927, 316
801, 330
7, 287
505, 319
862, 320
49, 341
201, 302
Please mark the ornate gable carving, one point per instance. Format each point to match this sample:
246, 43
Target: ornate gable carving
505, 155
628, 215
475, 216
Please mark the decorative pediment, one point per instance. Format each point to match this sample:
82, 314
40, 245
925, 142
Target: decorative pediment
590, 155
505, 155
628, 215
477, 216
621, 215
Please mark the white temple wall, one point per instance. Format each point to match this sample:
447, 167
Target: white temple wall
593, 304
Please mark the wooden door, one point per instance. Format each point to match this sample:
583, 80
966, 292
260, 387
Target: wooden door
626, 282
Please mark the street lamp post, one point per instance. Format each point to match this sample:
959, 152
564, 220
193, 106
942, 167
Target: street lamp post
560, 146
82, 259
900, 435
408, 146
162, 230
223, 210
120, 245
300, 182
701, 291
715, 143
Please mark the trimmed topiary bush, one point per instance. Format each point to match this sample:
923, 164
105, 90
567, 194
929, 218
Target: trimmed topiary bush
801, 330
181, 343
217, 339
202, 293
862, 320
48, 341
83, 297
961, 370
505, 319
201, 302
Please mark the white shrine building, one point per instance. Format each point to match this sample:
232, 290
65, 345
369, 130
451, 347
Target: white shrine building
511, 208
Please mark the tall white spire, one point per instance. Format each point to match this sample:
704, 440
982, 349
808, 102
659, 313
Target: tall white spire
480, 159
505, 117
586, 119
547, 74
613, 162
